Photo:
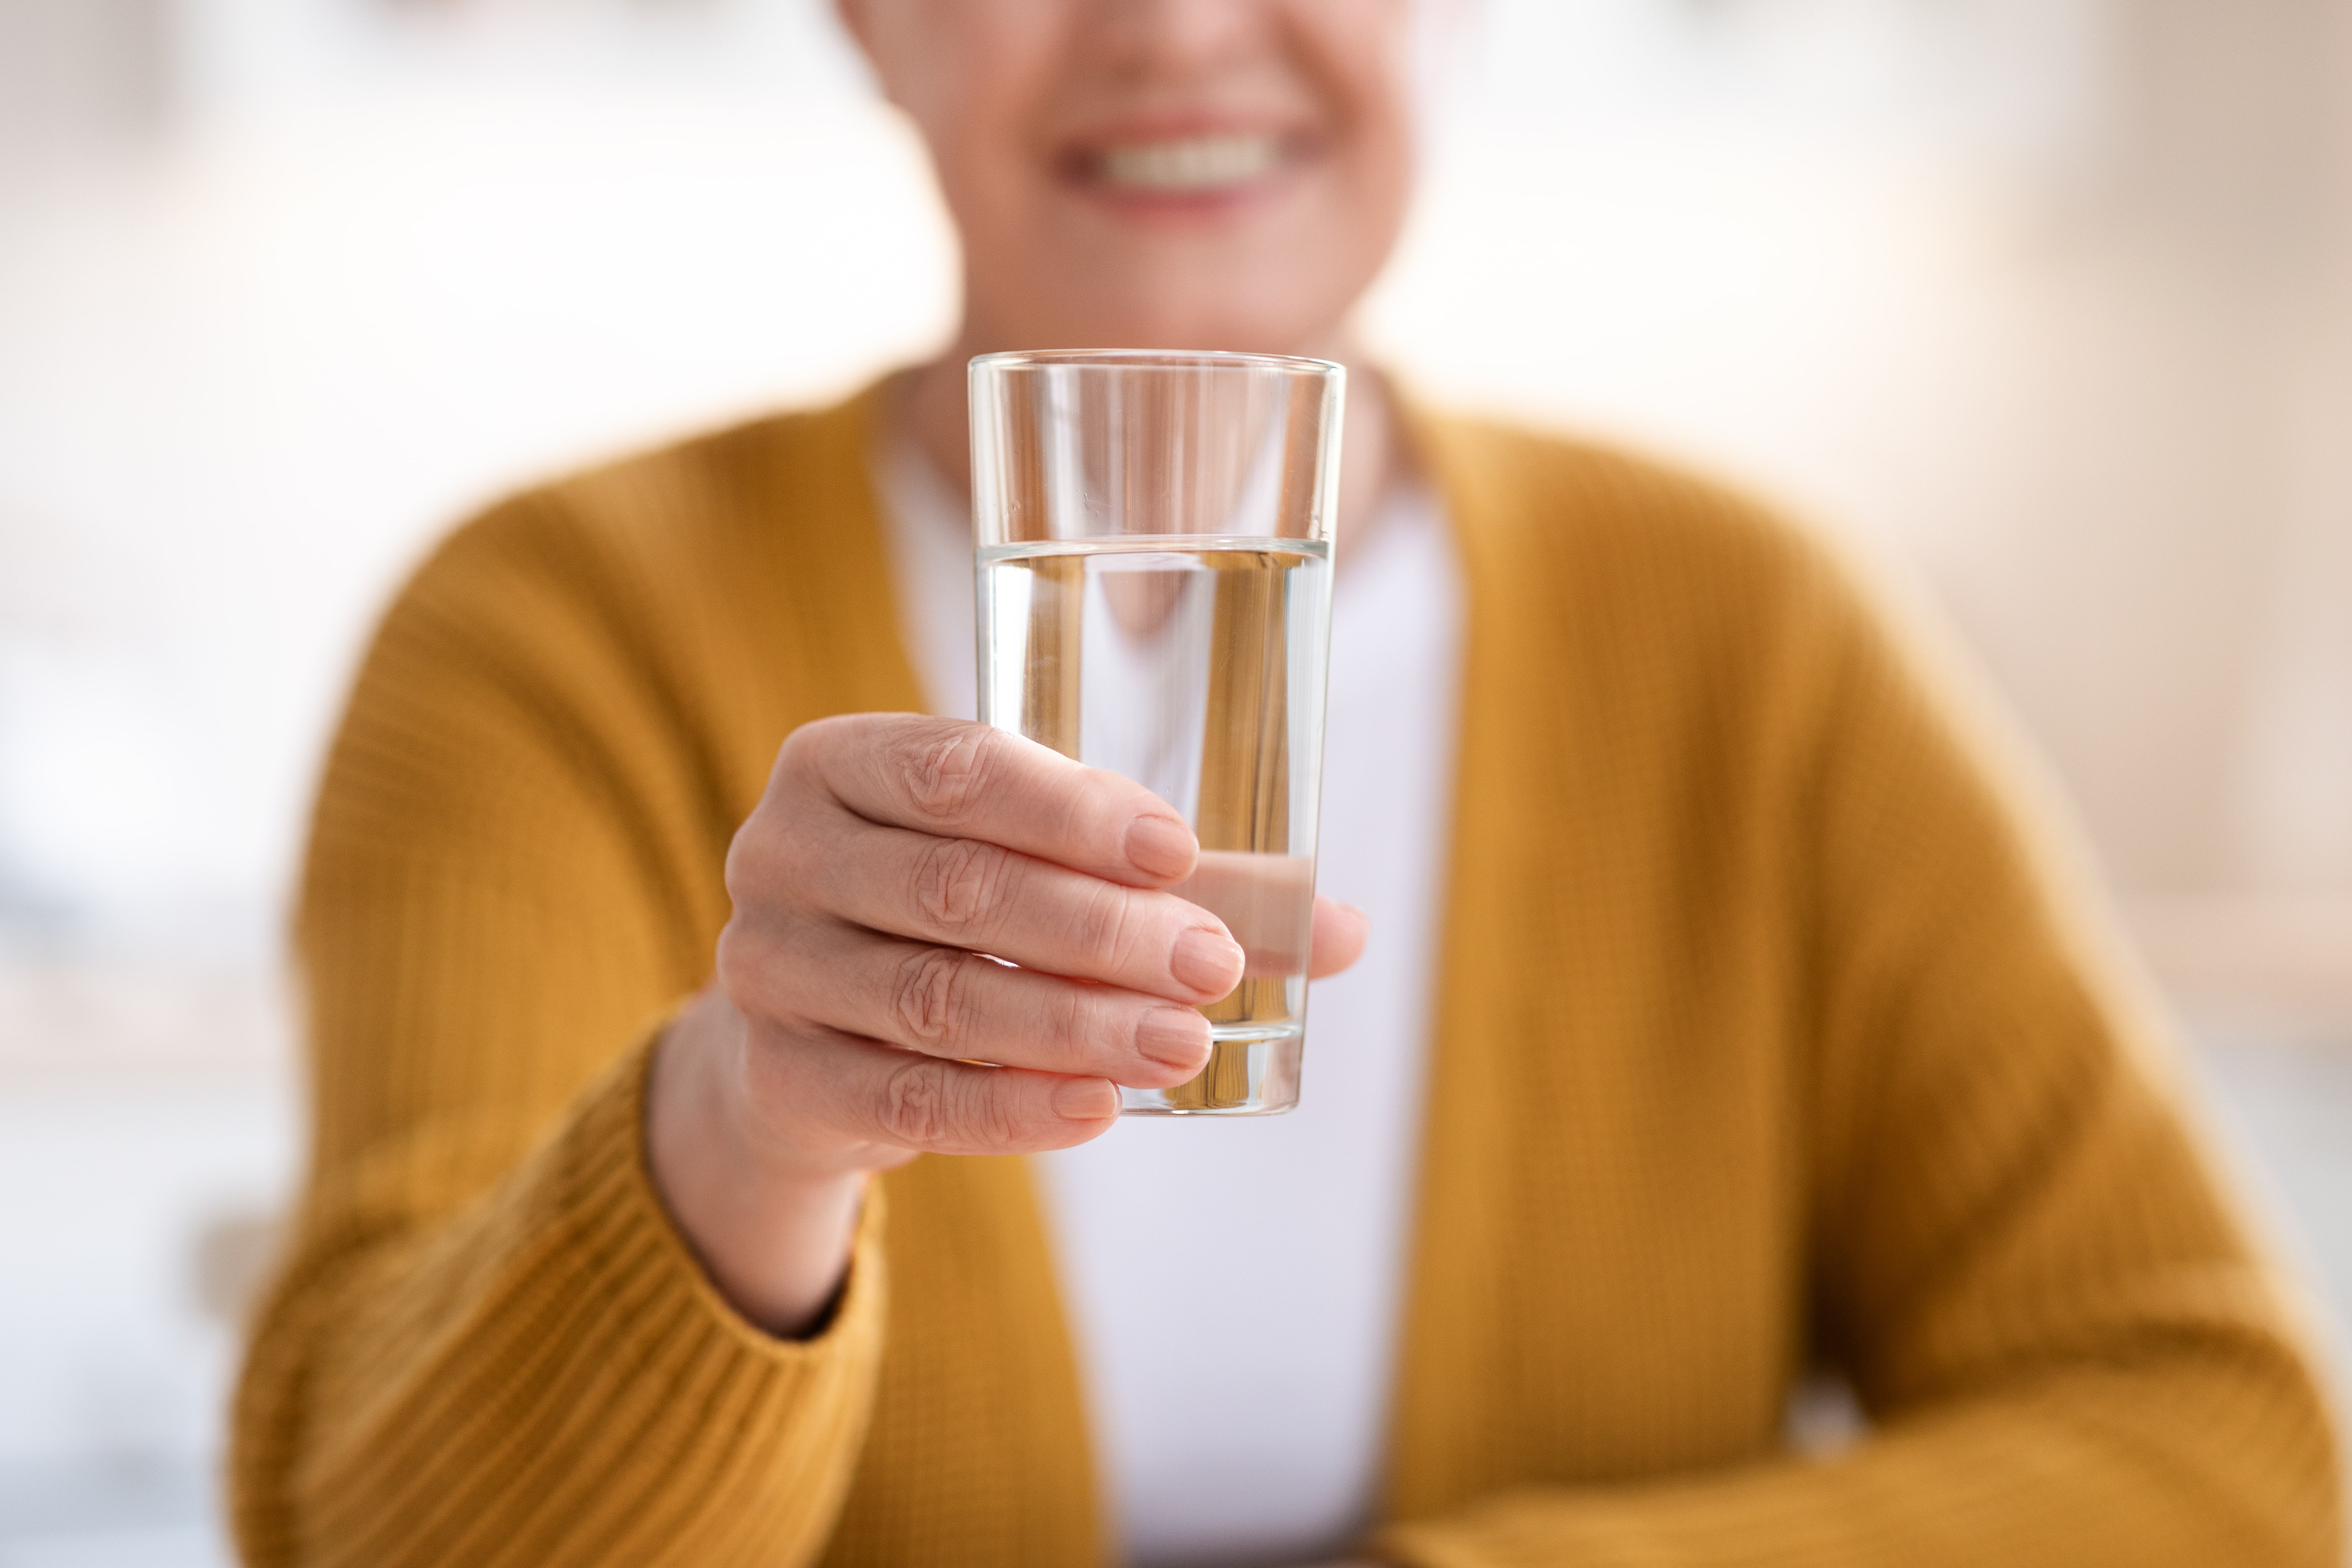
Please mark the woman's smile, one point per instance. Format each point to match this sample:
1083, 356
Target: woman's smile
1206, 172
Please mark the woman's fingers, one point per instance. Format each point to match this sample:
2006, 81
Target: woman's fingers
1340, 933
960, 780
948, 1002
985, 898
891, 852
863, 1091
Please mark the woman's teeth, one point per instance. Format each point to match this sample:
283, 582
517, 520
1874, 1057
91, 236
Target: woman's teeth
1190, 163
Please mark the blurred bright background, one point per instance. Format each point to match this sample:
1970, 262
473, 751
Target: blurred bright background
2051, 298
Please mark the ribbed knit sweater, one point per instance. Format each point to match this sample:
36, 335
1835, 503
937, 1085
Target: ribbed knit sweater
1772, 1032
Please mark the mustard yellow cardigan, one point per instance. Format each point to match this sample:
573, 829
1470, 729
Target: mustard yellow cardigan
1770, 1036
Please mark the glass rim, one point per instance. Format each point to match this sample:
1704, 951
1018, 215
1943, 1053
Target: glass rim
1151, 359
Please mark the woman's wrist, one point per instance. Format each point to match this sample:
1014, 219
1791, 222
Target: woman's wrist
774, 1241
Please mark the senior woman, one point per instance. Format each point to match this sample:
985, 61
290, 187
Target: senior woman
1724, 1015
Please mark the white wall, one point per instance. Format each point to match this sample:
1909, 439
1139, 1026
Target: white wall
2047, 295
2064, 324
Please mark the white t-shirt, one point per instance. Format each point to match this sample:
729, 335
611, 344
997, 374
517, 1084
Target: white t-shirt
1232, 1286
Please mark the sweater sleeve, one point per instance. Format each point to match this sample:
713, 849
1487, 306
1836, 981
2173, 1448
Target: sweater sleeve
2068, 1349
488, 1344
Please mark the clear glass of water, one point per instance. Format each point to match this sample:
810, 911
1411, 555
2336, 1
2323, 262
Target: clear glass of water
1155, 599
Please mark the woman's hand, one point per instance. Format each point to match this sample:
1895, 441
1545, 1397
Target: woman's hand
853, 1005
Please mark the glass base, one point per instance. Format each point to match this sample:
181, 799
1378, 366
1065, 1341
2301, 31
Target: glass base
1250, 1073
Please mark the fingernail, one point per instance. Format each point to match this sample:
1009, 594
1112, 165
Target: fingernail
1160, 846
1206, 960
1174, 1036
1085, 1100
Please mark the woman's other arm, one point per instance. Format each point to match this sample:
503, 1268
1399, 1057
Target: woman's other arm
2069, 1352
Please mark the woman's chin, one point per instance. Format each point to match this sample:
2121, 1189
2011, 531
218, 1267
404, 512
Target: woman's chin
1151, 329
1162, 301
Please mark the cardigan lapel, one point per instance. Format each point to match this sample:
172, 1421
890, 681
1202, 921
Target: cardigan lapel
1601, 1285
1460, 1235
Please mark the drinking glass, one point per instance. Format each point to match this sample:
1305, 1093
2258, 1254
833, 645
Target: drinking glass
1154, 580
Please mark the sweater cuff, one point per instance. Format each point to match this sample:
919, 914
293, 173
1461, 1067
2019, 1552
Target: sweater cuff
553, 1367
606, 1178
665, 1424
